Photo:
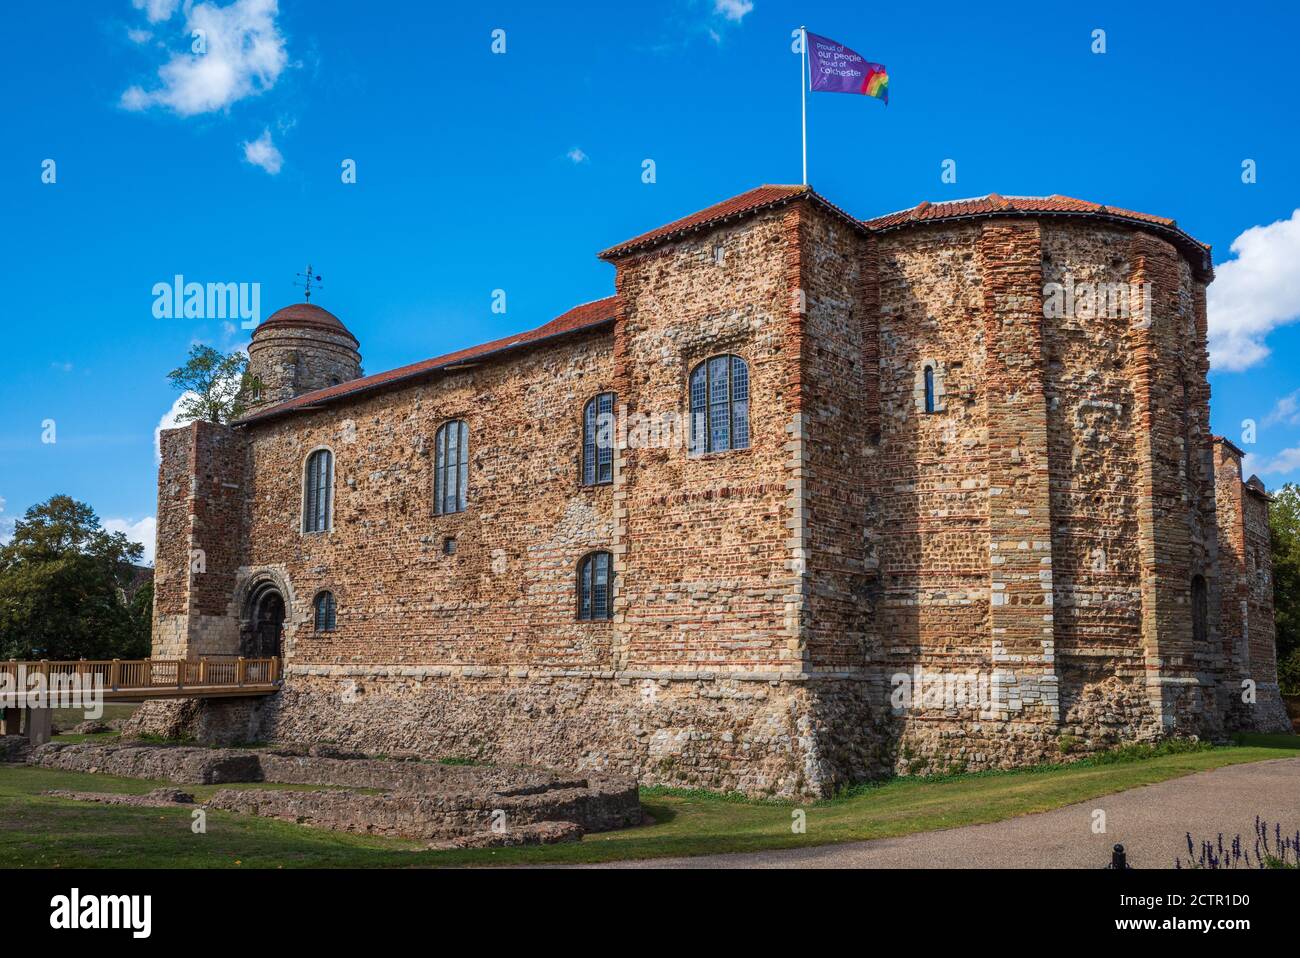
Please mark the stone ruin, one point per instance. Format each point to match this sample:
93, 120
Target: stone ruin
447, 805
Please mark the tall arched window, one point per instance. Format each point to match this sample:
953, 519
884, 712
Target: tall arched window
598, 440
324, 608
595, 586
929, 389
450, 467
318, 492
1200, 610
719, 405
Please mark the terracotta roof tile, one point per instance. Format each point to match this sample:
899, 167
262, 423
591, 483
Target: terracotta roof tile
996, 203
586, 316
299, 315
747, 202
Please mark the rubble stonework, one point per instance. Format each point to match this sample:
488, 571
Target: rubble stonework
1036, 535
418, 799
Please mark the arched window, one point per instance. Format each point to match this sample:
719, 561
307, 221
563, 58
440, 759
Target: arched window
324, 608
318, 492
450, 467
595, 586
598, 440
929, 389
1200, 610
719, 405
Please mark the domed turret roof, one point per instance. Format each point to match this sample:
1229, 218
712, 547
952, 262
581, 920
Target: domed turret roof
306, 316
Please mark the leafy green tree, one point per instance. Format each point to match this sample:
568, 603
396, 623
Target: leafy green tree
215, 387
64, 586
1284, 523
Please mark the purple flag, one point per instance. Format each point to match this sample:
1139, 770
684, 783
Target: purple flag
837, 69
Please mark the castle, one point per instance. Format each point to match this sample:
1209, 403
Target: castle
808, 500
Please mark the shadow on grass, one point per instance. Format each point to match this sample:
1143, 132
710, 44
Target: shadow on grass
45, 831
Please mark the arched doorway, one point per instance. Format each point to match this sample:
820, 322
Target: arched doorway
263, 625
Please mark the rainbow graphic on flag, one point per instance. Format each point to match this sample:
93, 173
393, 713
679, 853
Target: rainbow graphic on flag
834, 68
877, 82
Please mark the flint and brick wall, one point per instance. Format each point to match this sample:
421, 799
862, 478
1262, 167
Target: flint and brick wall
202, 498
1040, 529
1247, 637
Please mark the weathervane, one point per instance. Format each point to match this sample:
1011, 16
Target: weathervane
309, 279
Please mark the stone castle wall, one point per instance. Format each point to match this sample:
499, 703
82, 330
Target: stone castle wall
1039, 531
288, 361
1247, 634
702, 551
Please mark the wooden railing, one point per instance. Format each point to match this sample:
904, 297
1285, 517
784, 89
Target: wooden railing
120, 675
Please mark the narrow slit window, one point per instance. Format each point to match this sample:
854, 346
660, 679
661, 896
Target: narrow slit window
598, 440
451, 467
318, 491
929, 389
325, 609
595, 587
1200, 610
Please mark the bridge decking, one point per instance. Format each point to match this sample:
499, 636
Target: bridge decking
130, 679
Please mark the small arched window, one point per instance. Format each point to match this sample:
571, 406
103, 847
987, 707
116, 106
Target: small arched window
1200, 610
719, 405
929, 389
598, 440
450, 467
318, 492
595, 586
324, 609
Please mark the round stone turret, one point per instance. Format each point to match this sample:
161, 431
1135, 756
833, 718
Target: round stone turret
300, 349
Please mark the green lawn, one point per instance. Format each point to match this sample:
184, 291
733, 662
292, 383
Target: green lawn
46, 832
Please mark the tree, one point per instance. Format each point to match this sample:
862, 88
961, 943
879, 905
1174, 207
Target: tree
214, 387
1284, 523
64, 582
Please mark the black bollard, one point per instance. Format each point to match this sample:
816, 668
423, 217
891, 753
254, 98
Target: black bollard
1118, 859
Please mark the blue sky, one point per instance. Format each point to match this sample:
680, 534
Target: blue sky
479, 171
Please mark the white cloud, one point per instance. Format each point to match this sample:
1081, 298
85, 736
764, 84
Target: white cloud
1286, 461
170, 420
1285, 410
157, 10
139, 36
733, 10
244, 56
6, 524
577, 156
262, 152
1254, 293
143, 531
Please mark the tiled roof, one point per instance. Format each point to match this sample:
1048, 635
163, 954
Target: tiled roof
586, 316
308, 315
1054, 205
747, 202
751, 201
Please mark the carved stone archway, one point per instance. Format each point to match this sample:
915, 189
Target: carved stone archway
264, 608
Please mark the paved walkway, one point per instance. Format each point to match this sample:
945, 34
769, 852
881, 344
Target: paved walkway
1151, 821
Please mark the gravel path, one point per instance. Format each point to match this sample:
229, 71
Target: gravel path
1151, 821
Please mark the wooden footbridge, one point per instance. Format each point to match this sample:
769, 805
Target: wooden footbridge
32, 689
136, 679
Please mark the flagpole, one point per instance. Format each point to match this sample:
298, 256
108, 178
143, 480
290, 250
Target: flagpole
803, 94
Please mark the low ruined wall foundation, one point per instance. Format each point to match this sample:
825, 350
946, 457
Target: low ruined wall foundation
774, 736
